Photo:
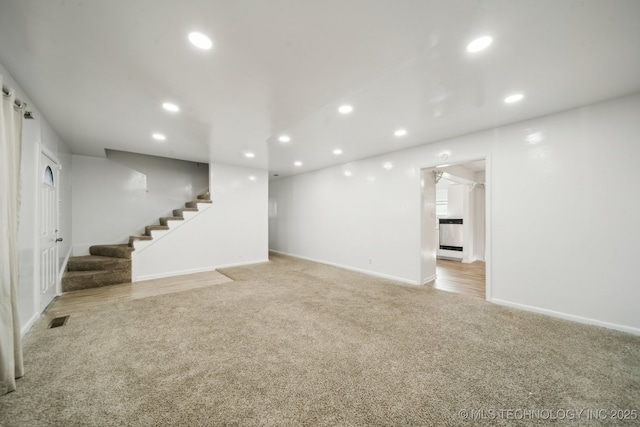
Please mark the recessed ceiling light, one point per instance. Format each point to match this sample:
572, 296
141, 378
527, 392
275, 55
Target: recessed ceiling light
400, 132
345, 109
171, 107
284, 138
348, 173
513, 98
337, 151
252, 178
249, 154
201, 41
387, 165
159, 136
481, 43
297, 163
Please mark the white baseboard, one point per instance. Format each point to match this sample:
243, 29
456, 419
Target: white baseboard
194, 270
565, 316
429, 279
25, 328
63, 267
346, 267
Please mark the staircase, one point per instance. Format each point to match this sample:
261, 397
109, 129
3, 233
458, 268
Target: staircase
111, 264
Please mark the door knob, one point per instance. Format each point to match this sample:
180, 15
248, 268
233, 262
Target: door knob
59, 239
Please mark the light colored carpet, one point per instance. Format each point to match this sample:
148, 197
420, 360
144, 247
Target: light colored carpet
292, 342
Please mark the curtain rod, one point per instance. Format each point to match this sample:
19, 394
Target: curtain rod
6, 91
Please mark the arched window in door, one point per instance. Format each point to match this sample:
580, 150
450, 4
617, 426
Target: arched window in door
47, 178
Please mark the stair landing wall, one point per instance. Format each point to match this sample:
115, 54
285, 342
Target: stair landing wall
232, 231
125, 191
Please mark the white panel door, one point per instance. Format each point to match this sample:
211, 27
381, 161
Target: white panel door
48, 229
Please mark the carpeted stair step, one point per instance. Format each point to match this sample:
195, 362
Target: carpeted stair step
93, 262
137, 238
178, 212
116, 251
76, 280
149, 228
165, 219
204, 196
194, 203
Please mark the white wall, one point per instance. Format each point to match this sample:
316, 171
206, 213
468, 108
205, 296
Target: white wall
37, 135
233, 231
563, 239
457, 200
478, 225
368, 221
429, 226
560, 239
118, 196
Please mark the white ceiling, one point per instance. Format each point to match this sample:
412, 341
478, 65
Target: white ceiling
100, 70
476, 166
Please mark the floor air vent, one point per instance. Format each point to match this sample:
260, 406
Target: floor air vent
58, 321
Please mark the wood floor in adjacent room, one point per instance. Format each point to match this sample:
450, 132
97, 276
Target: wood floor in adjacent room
461, 278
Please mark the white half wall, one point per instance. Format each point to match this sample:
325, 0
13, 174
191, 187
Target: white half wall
118, 196
232, 231
561, 239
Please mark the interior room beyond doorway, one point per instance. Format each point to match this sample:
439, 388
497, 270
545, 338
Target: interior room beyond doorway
460, 212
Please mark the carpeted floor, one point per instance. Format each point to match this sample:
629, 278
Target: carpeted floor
292, 342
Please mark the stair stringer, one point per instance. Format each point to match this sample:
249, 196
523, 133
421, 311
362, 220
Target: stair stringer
124, 238
157, 235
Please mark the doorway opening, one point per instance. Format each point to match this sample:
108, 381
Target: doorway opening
454, 228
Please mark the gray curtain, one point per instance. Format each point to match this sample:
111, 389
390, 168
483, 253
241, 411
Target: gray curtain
11, 366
